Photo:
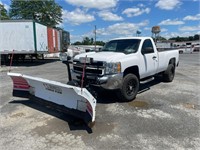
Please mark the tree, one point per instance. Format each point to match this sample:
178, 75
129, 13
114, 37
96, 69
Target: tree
190, 38
196, 37
87, 41
3, 13
43, 11
101, 43
160, 38
180, 39
77, 43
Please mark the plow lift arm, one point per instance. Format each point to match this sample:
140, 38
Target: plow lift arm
77, 101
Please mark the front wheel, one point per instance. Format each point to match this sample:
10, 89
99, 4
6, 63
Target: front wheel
129, 89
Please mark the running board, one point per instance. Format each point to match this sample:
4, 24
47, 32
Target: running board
70, 97
147, 80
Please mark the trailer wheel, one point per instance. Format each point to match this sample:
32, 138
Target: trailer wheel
168, 75
129, 88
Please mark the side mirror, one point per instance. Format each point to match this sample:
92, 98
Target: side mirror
64, 57
147, 50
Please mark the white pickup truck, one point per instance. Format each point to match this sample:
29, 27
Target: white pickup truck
122, 64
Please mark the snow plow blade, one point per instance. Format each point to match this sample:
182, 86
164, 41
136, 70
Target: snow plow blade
74, 99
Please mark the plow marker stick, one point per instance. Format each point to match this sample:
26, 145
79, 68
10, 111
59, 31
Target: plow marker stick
71, 97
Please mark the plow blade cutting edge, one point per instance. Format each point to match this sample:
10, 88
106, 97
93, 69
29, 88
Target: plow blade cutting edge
74, 99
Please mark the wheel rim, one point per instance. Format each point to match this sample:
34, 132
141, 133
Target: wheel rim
130, 88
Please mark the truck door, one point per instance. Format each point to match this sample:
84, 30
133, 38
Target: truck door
149, 59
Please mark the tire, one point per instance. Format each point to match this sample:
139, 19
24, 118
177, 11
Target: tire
129, 88
168, 75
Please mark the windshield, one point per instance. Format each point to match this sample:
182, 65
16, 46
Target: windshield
126, 46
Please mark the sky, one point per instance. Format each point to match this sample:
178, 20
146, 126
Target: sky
122, 18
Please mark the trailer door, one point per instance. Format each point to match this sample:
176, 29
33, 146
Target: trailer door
41, 38
17, 36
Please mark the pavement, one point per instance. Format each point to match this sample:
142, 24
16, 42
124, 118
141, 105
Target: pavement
163, 115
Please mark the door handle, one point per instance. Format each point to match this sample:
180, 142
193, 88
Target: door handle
154, 57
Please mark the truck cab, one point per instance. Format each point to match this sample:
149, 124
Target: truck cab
123, 63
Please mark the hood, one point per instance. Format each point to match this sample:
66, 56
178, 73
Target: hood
102, 56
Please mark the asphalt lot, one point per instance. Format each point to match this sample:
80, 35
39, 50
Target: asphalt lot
163, 116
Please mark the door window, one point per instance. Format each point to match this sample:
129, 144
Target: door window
147, 47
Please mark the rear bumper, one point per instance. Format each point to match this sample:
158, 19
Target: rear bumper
109, 82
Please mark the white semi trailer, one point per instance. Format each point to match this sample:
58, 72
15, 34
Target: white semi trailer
27, 37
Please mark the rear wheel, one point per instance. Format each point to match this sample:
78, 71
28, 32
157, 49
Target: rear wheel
129, 88
168, 75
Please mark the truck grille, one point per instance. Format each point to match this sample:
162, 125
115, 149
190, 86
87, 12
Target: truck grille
90, 69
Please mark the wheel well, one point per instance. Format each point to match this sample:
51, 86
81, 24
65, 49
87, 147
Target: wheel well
133, 70
172, 61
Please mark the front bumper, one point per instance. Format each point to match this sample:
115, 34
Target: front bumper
109, 82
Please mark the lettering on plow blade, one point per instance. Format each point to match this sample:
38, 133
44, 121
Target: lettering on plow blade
52, 88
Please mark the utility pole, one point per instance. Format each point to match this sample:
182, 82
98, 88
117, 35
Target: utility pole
95, 36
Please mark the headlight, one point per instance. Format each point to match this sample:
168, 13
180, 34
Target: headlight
112, 68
